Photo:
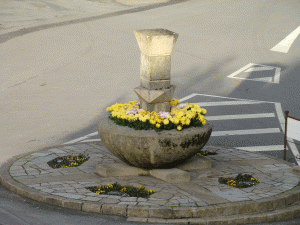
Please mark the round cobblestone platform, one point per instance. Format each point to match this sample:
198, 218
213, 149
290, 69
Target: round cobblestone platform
201, 199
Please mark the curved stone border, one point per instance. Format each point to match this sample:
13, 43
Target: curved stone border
193, 214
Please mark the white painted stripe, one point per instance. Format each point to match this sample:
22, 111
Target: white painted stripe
91, 140
277, 75
262, 79
239, 116
286, 43
226, 103
260, 68
232, 98
262, 148
187, 97
245, 132
76, 140
241, 70
92, 134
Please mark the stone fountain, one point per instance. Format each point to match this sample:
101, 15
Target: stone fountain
165, 154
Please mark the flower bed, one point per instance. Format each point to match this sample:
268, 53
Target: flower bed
68, 161
124, 191
180, 117
240, 181
201, 154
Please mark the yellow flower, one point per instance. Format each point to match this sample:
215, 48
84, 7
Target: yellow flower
204, 111
176, 121
166, 121
204, 122
182, 120
152, 122
187, 122
179, 127
180, 114
158, 125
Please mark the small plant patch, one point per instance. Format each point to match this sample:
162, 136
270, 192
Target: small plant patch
240, 181
124, 191
68, 161
201, 154
143, 174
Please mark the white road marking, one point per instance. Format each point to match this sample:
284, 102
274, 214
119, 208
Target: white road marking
92, 134
226, 103
187, 97
259, 69
250, 68
91, 140
240, 116
262, 148
286, 43
245, 132
75, 140
82, 138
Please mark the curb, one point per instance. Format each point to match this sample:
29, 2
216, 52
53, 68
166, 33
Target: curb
284, 206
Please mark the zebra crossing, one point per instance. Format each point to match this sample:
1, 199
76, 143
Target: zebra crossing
243, 124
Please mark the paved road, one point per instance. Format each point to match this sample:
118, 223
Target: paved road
57, 79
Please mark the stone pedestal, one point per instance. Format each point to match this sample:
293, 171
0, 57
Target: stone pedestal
155, 92
179, 174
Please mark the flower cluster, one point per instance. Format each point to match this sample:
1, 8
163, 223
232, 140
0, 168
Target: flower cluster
181, 116
68, 161
141, 191
240, 181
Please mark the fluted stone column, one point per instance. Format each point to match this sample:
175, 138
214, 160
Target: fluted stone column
155, 91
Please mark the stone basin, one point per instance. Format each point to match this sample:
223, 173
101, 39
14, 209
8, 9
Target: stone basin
149, 149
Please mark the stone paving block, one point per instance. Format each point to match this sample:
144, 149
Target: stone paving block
177, 221
278, 203
285, 214
138, 211
69, 195
182, 212
264, 205
109, 201
91, 207
291, 197
71, 204
257, 218
113, 209
171, 175
296, 211
53, 201
197, 221
200, 212
127, 203
160, 212
137, 219
156, 220
272, 216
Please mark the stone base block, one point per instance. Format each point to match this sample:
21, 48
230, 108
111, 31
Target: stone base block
156, 84
118, 170
155, 107
196, 163
171, 175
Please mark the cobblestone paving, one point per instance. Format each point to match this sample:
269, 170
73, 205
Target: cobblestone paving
33, 171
